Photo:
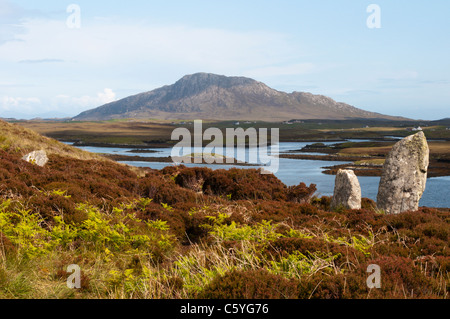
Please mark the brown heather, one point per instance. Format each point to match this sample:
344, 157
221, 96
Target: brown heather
201, 233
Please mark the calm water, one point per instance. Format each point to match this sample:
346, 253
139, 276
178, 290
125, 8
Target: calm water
292, 172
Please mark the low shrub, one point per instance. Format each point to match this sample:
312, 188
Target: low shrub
244, 184
401, 278
250, 284
301, 193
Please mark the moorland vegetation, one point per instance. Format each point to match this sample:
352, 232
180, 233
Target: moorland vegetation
199, 233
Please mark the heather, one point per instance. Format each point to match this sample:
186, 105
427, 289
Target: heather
200, 233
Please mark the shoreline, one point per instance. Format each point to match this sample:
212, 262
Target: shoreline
167, 159
169, 145
437, 167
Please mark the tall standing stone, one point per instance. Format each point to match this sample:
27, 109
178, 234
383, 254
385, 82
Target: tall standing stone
404, 175
347, 191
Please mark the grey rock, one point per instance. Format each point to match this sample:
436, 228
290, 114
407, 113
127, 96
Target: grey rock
404, 175
347, 191
36, 157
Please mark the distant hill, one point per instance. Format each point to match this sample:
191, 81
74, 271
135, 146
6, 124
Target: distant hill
445, 122
218, 97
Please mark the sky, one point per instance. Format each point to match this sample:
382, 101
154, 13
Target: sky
59, 58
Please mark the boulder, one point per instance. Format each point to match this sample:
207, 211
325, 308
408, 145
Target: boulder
36, 157
347, 191
404, 175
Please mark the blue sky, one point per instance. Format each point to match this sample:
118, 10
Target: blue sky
127, 47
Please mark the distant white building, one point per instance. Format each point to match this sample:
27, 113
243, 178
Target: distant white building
417, 128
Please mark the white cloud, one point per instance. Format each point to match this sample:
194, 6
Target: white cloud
30, 107
109, 43
75, 105
20, 107
10, 19
9, 103
106, 96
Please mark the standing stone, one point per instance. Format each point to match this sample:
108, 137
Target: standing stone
347, 191
36, 157
404, 175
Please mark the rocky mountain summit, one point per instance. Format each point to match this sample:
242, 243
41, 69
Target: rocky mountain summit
219, 97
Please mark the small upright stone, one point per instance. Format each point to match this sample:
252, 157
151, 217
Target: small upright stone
404, 175
36, 157
347, 191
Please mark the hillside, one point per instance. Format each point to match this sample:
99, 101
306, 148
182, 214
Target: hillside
20, 140
199, 233
218, 97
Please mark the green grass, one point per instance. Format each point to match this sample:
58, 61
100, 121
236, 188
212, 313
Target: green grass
114, 251
15, 138
377, 161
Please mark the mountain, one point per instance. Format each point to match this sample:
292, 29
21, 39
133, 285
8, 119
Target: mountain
217, 97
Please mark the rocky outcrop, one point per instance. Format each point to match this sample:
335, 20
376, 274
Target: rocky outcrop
347, 191
404, 175
36, 157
